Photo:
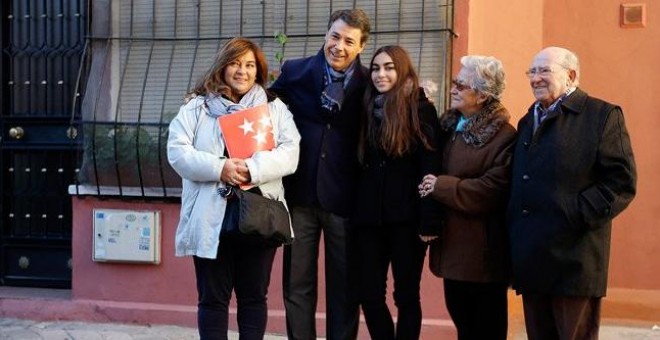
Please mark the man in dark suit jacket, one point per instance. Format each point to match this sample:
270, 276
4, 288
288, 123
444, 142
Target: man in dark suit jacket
324, 93
573, 172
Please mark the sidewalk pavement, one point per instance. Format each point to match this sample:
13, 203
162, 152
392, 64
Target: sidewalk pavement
20, 329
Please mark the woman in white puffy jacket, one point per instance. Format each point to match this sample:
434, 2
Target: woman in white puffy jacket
226, 262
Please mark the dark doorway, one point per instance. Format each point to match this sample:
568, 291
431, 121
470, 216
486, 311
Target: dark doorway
42, 45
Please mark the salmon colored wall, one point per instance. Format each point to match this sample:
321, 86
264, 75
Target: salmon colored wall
619, 65
511, 31
461, 29
170, 282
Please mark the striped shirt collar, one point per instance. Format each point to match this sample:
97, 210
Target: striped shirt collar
540, 113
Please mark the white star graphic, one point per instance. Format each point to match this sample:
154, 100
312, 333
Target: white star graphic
260, 137
247, 126
265, 121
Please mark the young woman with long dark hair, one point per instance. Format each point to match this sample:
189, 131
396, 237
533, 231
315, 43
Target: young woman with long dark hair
397, 147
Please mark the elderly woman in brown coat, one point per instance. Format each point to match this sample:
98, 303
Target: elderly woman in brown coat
471, 253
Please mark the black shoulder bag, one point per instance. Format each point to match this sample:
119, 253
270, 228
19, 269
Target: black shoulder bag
250, 213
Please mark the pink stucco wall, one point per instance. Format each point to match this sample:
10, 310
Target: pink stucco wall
618, 64
166, 293
172, 281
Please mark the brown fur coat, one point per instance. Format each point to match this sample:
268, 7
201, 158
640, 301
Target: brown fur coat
481, 127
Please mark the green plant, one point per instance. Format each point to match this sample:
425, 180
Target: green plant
112, 145
127, 154
281, 39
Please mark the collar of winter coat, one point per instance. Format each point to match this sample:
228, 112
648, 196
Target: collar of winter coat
481, 127
576, 101
574, 104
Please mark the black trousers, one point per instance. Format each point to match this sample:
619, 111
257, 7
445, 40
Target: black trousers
478, 310
400, 247
561, 317
243, 265
300, 277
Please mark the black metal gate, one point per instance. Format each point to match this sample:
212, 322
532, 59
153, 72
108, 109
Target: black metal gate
42, 43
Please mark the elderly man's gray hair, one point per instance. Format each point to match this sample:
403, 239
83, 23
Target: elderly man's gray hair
568, 60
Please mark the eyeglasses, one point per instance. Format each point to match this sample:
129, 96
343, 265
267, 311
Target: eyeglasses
460, 86
541, 71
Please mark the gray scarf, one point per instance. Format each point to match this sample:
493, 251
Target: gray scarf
335, 82
219, 105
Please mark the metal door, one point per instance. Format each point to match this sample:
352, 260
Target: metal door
42, 43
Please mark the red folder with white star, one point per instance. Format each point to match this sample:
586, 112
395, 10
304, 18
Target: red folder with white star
247, 131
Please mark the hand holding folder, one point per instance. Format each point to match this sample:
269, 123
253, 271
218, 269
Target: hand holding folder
246, 132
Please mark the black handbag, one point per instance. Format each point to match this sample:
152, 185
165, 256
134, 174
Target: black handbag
250, 213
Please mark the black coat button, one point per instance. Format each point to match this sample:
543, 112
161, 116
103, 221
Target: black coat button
525, 212
525, 177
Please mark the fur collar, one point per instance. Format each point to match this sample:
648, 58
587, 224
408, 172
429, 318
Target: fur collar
480, 128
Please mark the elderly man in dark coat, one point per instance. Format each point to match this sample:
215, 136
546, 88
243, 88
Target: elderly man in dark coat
573, 172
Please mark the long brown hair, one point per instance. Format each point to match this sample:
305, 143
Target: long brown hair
400, 130
213, 80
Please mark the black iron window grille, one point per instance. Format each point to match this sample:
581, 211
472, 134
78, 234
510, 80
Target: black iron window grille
143, 55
